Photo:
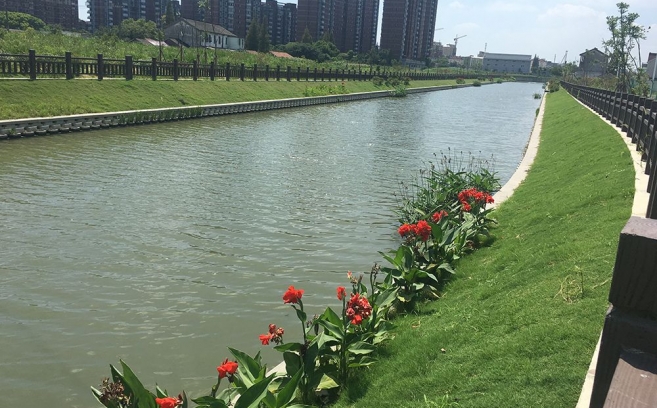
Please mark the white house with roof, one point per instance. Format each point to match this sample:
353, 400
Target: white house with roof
200, 34
511, 63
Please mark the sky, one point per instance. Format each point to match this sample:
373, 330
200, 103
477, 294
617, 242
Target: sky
547, 28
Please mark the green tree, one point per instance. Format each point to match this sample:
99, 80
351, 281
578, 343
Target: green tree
625, 34
252, 35
132, 29
169, 17
327, 37
263, 37
534, 67
21, 21
306, 38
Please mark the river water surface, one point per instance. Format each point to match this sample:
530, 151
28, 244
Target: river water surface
164, 244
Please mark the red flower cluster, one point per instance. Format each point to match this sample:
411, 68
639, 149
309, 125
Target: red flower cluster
422, 229
292, 295
473, 196
227, 368
342, 292
437, 216
275, 335
167, 402
358, 309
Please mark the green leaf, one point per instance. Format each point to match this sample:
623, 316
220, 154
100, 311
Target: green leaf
286, 395
292, 362
288, 347
246, 363
185, 403
301, 315
334, 330
142, 397
210, 402
330, 316
159, 393
253, 395
327, 383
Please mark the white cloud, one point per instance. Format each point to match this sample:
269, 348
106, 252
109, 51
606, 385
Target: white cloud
511, 6
572, 11
456, 5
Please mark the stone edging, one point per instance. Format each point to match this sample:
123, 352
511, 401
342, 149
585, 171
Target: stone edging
15, 128
525, 164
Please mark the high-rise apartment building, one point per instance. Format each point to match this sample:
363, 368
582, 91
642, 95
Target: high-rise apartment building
106, 13
281, 20
62, 12
351, 23
407, 28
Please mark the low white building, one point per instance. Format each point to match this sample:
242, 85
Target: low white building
200, 34
511, 63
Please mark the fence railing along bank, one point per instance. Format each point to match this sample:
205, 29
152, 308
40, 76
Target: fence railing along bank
35, 66
626, 369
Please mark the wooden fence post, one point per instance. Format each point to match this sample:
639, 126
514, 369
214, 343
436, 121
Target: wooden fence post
267, 72
69, 65
307, 74
627, 324
213, 67
32, 65
242, 72
288, 73
154, 69
329, 74
175, 69
255, 72
100, 67
195, 70
278, 72
315, 75
128, 67
228, 71
322, 74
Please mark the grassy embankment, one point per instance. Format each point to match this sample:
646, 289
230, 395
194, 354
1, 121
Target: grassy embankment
520, 322
41, 98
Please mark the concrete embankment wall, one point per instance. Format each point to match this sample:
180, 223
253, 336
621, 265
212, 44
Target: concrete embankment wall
16, 128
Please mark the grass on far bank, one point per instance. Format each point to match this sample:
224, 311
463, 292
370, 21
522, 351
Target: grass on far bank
42, 98
515, 328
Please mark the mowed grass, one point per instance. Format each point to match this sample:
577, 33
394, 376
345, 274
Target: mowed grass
513, 330
42, 98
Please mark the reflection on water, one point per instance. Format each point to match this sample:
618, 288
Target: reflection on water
164, 244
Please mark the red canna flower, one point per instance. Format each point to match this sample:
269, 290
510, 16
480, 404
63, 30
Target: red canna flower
423, 230
292, 295
358, 319
466, 207
264, 339
342, 292
405, 229
227, 368
358, 309
167, 402
437, 216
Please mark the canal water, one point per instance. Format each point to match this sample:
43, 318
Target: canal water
164, 244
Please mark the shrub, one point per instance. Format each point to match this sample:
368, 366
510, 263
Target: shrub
537, 95
476, 83
553, 86
460, 81
377, 81
399, 91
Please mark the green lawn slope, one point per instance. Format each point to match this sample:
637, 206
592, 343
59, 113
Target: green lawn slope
518, 326
43, 98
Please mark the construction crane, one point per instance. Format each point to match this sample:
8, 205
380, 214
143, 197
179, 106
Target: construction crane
438, 29
456, 39
565, 57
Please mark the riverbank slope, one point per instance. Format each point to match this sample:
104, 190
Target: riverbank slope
519, 324
45, 98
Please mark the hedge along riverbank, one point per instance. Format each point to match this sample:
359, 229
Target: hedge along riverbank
518, 325
43, 126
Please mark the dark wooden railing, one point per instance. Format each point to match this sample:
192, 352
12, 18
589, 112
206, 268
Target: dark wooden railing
626, 369
36, 66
